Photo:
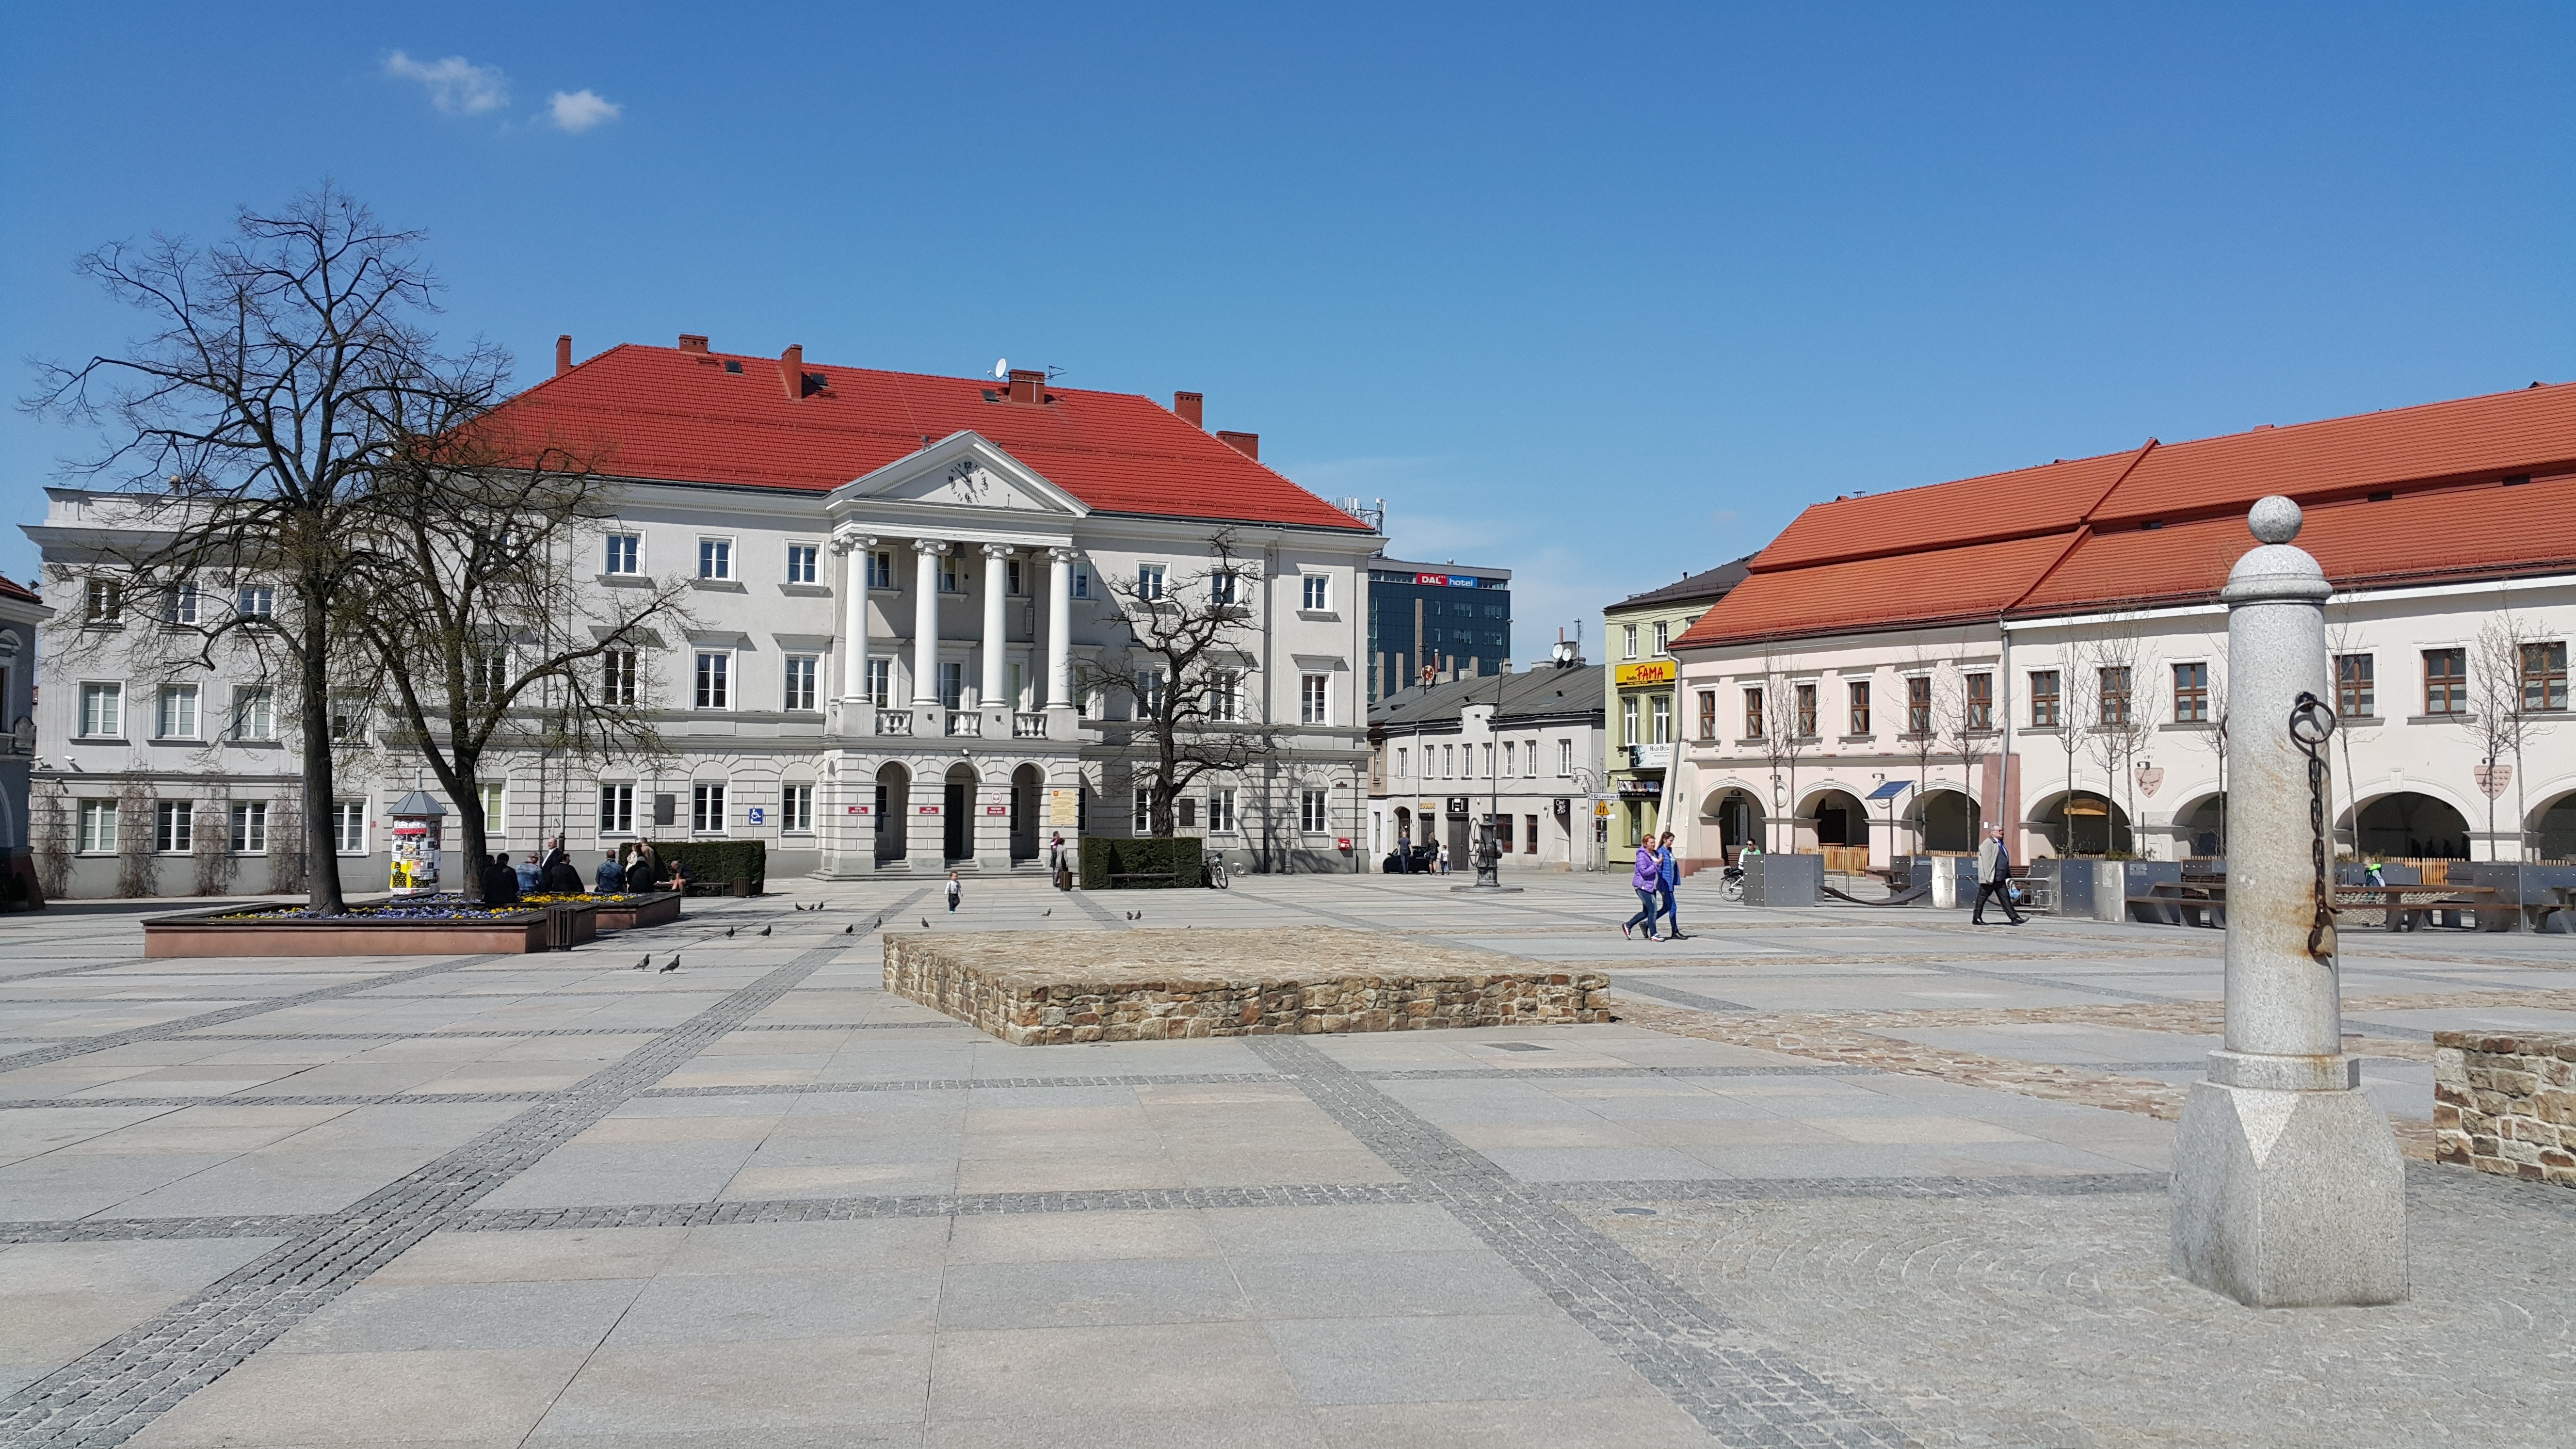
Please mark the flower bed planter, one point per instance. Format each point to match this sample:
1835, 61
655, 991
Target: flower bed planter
659, 908
503, 933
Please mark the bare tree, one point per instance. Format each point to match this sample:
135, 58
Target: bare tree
50, 834
2214, 734
213, 862
2074, 705
1963, 735
256, 407
2126, 706
1789, 727
1921, 735
2501, 679
1184, 675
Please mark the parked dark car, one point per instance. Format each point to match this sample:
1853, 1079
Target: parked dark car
1417, 859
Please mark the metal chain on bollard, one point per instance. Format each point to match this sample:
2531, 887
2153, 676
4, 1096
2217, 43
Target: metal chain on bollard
2312, 723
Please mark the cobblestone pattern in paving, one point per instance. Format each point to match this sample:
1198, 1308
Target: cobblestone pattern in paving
1740, 1391
109, 1394
85, 1046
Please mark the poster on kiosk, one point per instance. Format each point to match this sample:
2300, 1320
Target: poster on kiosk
418, 822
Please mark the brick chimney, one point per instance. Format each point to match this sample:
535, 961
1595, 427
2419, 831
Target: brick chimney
1028, 384
1248, 444
563, 354
1192, 407
692, 342
791, 371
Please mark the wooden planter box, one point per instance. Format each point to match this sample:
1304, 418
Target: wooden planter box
660, 908
516, 934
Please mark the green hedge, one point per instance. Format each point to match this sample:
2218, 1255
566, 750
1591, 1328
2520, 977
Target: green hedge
719, 860
1102, 859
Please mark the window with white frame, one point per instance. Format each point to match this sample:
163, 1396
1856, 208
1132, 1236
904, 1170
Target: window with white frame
952, 579
1662, 718
952, 684
1314, 698
707, 808
1149, 582
1149, 693
1314, 815
880, 682
1316, 593
1627, 641
250, 827
1511, 757
1015, 578
103, 602
1081, 586
1663, 637
1403, 763
1564, 759
1448, 762
617, 678
715, 558
254, 714
176, 718
881, 570
617, 809
796, 809
1489, 762
715, 679
1223, 692
102, 711
625, 554
349, 712
1628, 722
1221, 809
1529, 760
1144, 820
487, 675
179, 605
255, 601
799, 693
1221, 587
349, 827
496, 799
804, 562
98, 827
174, 827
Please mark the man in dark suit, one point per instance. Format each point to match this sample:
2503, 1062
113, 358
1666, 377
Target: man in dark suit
1994, 878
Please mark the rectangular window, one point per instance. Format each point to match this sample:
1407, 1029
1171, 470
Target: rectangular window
487, 676
1221, 588
102, 711
1316, 593
349, 827
2446, 681
617, 678
496, 816
881, 570
1661, 713
715, 679
2113, 683
1144, 823
881, 682
98, 827
1707, 715
1859, 691
177, 717
617, 810
1806, 701
799, 694
1628, 734
1081, 581
1753, 714
952, 684
2544, 676
1503, 832
625, 551
1663, 638
250, 827
1529, 761
1149, 694
707, 809
951, 580
1564, 759
2043, 699
715, 558
2191, 693
1981, 701
1489, 760
1015, 578
349, 711
255, 601
1403, 763
1224, 696
1448, 762
1185, 813
104, 602
1221, 809
254, 713
1149, 582
1628, 641
1511, 757
1313, 813
796, 809
804, 562
1313, 697
174, 827
179, 605
1918, 705
1529, 835
2356, 688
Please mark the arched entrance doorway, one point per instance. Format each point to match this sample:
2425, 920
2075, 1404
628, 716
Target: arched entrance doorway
2084, 823
2202, 829
2411, 826
894, 810
1738, 818
1840, 818
957, 814
1026, 782
2553, 831
1949, 819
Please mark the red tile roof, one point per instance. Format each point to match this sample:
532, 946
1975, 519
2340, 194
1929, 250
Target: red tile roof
1972, 548
16, 590
665, 414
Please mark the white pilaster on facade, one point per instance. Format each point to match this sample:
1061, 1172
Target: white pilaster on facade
856, 549
996, 645
1059, 693
926, 554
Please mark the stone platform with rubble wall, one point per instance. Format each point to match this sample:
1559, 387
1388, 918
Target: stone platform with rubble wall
1035, 988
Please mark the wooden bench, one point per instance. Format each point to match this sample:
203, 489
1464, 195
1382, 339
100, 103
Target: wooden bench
2194, 903
2404, 914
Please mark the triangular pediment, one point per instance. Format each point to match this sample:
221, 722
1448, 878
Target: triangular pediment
963, 470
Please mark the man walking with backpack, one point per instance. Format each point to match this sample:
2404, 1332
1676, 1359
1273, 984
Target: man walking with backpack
1994, 878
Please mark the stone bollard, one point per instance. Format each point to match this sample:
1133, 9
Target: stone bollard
2288, 1190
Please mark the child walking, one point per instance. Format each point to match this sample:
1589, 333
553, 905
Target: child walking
956, 888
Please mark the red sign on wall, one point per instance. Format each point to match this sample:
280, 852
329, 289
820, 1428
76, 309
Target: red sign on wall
927, 810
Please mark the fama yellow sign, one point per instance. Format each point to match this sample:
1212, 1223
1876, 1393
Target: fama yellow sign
1661, 671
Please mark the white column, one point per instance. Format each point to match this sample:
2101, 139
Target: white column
996, 646
1059, 628
925, 621
854, 613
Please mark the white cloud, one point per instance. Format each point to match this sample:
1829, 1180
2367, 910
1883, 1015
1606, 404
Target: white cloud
582, 109
457, 87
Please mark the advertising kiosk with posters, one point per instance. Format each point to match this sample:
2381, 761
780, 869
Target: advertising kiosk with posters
418, 824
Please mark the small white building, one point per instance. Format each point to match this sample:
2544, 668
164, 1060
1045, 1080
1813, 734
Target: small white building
1524, 748
2046, 648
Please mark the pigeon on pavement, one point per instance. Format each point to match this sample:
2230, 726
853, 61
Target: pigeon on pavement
647, 961
729, 930
675, 963
764, 930
925, 923
850, 930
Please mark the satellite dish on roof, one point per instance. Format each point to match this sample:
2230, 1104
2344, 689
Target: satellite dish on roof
1002, 369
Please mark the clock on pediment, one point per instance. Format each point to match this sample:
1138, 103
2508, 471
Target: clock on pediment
969, 484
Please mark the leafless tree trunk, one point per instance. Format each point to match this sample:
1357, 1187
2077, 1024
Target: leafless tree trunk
2497, 719
50, 834
2075, 704
137, 874
1184, 678
290, 863
1789, 729
1921, 736
213, 865
1962, 737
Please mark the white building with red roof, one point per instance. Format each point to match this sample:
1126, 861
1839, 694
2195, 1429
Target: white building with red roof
2046, 648
899, 584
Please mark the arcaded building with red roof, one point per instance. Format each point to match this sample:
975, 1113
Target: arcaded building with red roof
901, 607
2046, 647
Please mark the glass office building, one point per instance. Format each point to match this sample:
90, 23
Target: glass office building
1452, 620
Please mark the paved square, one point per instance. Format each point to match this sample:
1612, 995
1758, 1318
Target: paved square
1834, 1177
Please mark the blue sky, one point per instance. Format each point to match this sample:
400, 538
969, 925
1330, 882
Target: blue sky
1600, 295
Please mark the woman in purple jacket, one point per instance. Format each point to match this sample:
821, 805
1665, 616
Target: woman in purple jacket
1649, 878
